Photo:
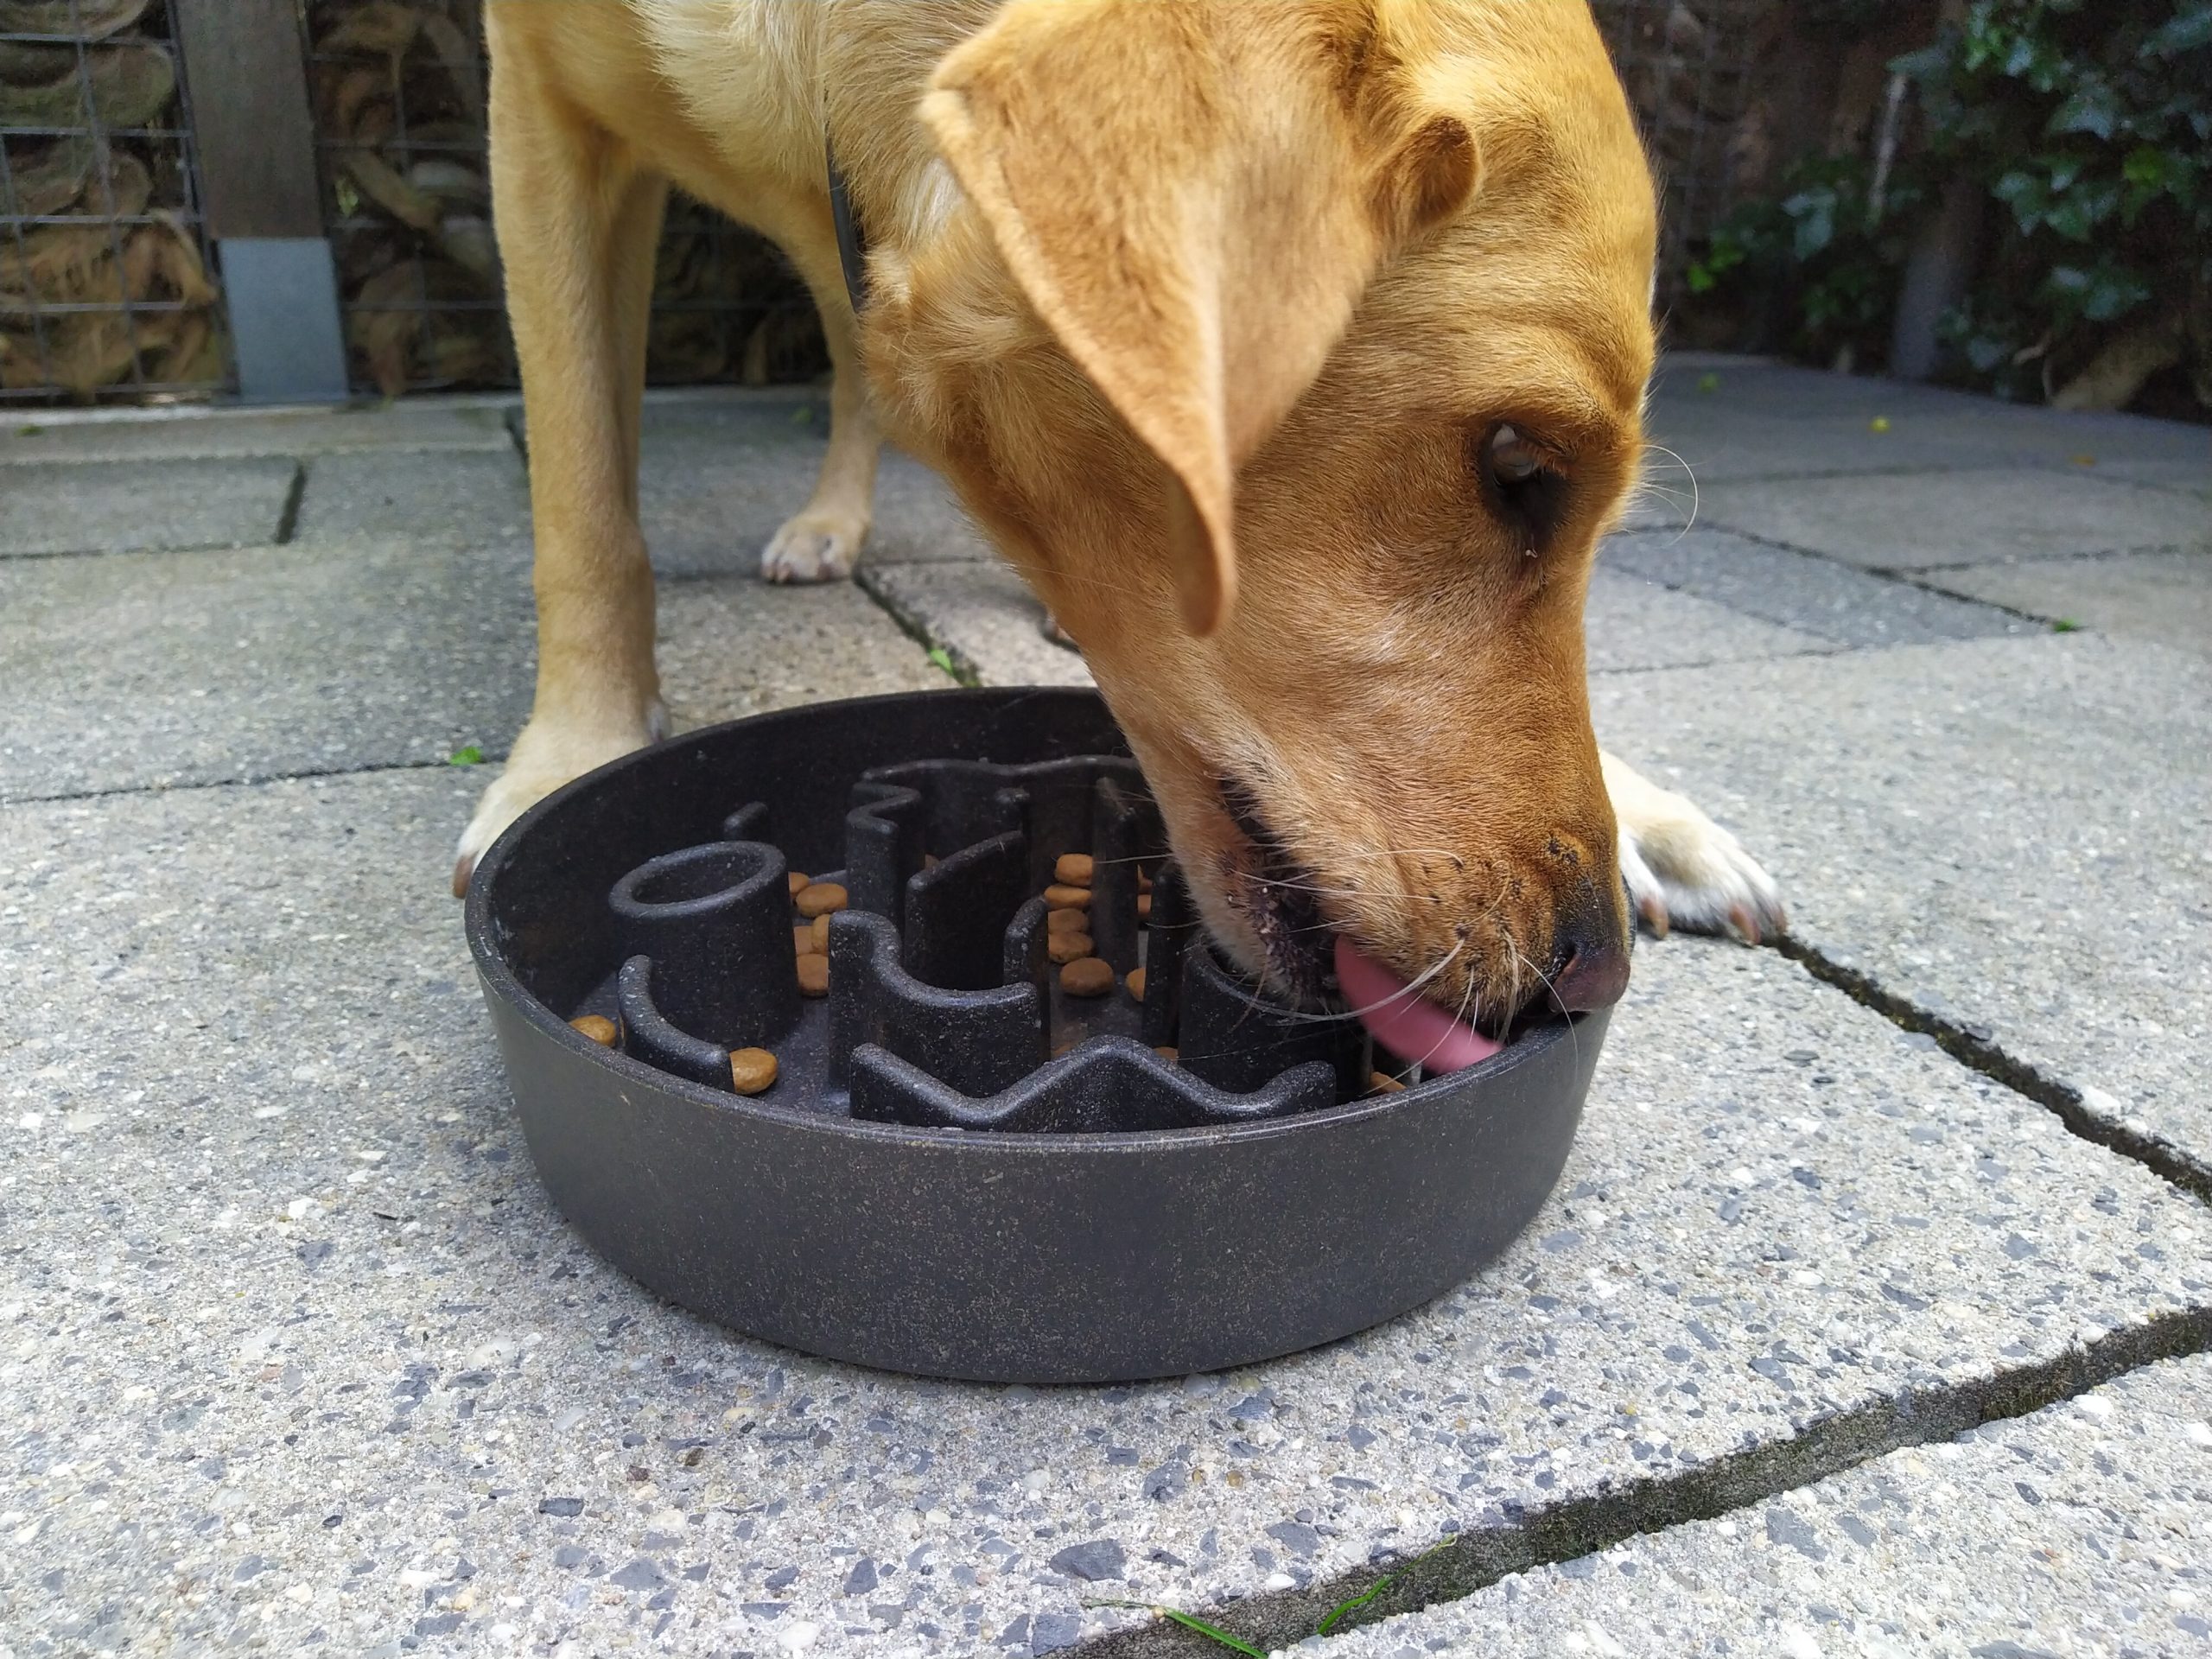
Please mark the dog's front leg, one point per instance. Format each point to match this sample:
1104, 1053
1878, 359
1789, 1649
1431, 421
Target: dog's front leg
821, 541
1684, 870
578, 226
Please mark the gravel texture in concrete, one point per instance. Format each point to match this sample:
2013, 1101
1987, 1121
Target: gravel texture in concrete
344, 656
2084, 1528
1773, 419
2166, 597
202, 434
714, 491
141, 669
475, 498
1923, 521
735, 645
1833, 603
102, 506
1632, 623
2008, 833
983, 615
294, 1344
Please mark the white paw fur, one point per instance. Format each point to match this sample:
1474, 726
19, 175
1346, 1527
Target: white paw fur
1682, 869
544, 758
817, 545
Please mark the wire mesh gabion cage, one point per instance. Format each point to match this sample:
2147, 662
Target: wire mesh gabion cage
105, 288
398, 88
1690, 70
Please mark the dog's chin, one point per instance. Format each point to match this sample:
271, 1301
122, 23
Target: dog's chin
1261, 908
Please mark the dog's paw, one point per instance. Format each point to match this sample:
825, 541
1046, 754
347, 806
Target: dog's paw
1684, 870
542, 760
817, 545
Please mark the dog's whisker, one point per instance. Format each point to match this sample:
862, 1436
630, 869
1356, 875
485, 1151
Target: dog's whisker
1459, 1017
1690, 472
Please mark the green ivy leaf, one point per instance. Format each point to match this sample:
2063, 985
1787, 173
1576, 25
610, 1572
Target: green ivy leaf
2146, 166
2093, 109
468, 755
1814, 213
2189, 30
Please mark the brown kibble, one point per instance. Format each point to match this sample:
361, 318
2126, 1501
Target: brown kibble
1168, 1053
800, 882
597, 1027
820, 899
803, 939
820, 934
1068, 947
1144, 906
813, 974
1383, 1084
1066, 921
1065, 897
1087, 976
1135, 982
1067, 1047
1075, 869
751, 1070
929, 861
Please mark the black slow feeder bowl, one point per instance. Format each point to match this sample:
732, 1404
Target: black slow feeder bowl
937, 1182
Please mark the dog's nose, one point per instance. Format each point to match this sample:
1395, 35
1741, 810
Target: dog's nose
1593, 972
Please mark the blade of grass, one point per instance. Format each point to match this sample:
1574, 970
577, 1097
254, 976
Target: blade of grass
1234, 1644
1380, 1586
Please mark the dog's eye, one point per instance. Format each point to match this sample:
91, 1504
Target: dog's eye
1513, 458
1521, 479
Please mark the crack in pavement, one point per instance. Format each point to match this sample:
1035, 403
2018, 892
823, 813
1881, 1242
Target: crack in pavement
1478, 1557
1475, 1557
1979, 1053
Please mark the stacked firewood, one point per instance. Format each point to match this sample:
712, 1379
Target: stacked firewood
399, 95
101, 278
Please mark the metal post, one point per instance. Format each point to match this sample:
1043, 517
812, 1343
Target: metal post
246, 63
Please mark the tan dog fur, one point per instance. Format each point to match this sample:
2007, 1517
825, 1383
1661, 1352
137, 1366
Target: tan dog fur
1208, 310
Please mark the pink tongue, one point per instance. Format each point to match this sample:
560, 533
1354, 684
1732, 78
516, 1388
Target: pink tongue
1406, 1022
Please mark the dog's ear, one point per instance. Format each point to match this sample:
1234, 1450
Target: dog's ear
1193, 195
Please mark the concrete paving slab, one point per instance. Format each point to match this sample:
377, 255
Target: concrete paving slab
1715, 446
2008, 833
1631, 623
980, 613
367, 654
986, 618
2192, 476
215, 434
1923, 521
473, 498
735, 645
713, 492
2162, 596
109, 506
1833, 603
177, 668
295, 1345
2085, 1528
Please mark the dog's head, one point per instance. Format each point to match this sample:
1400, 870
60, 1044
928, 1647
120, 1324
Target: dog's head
1295, 351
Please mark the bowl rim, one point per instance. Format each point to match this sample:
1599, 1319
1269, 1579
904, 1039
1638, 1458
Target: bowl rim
499, 979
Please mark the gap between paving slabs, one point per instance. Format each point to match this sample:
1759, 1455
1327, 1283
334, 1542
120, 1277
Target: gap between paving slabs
1467, 1561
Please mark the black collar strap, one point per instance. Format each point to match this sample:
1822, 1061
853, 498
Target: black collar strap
852, 247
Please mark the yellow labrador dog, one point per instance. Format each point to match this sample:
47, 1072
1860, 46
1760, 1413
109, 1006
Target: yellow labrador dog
1294, 350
